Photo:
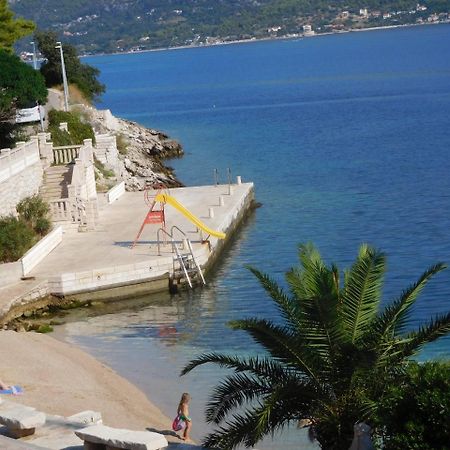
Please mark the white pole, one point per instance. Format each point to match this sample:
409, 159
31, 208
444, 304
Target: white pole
34, 55
63, 68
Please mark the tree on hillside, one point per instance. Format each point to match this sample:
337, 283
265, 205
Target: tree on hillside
20, 87
328, 361
12, 29
83, 75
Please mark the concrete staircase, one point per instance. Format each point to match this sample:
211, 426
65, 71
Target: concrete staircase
56, 180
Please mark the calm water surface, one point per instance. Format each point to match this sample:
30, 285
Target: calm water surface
346, 138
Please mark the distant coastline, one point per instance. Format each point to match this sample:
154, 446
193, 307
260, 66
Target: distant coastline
271, 38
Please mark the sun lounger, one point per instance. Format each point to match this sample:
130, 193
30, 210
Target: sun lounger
101, 437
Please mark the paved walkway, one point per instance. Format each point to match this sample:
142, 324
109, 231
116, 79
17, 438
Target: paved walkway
119, 223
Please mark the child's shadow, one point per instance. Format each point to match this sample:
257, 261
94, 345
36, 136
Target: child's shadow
164, 432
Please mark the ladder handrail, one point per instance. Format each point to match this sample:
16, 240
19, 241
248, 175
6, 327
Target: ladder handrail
179, 256
159, 241
199, 270
181, 261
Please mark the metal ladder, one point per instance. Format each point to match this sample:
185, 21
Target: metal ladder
183, 259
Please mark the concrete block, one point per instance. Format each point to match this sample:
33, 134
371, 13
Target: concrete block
121, 438
38, 252
21, 420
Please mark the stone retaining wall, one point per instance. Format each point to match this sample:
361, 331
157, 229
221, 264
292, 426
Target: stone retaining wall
20, 175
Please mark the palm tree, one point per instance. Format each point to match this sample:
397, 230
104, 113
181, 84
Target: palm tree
327, 363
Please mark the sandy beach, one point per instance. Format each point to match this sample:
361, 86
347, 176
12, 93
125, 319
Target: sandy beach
60, 379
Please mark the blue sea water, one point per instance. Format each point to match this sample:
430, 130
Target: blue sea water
347, 140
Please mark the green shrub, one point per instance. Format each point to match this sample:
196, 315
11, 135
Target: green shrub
107, 173
122, 144
414, 413
78, 130
33, 211
44, 328
16, 238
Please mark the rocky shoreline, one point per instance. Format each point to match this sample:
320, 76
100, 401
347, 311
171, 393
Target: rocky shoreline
142, 151
143, 156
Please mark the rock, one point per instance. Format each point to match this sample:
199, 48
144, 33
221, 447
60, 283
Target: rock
141, 163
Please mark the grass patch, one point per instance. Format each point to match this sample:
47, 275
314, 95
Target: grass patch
122, 144
78, 128
107, 173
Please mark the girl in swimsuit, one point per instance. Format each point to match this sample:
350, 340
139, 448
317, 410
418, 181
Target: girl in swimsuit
183, 411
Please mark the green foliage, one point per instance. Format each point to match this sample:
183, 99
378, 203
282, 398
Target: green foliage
413, 415
12, 29
122, 144
20, 87
102, 169
44, 328
34, 212
330, 359
18, 235
16, 238
114, 25
83, 75
78, 130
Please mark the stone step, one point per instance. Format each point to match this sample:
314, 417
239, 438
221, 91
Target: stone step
52, 177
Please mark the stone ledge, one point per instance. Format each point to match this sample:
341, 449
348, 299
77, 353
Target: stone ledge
116, 438
21, 420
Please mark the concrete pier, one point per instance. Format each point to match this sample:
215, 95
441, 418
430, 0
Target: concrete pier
101, 264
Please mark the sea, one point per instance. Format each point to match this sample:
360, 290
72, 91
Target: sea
347, 140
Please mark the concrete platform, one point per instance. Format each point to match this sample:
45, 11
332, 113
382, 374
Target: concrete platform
103, 259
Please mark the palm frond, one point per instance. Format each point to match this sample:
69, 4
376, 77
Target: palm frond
362, 292
282, 344
286, 306
315, 288
394, 317
261, 367
412, 343
281, 407
233, 392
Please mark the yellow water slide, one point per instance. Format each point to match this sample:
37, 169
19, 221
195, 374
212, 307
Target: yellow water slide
165, 198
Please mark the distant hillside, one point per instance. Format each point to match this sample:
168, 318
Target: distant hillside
121, 25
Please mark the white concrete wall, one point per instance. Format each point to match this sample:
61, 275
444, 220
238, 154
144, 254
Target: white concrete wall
92, 280
37, 253
116, 192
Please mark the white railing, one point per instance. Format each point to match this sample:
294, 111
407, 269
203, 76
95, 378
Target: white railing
13, 161
81, 205
65, 154
68, 210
